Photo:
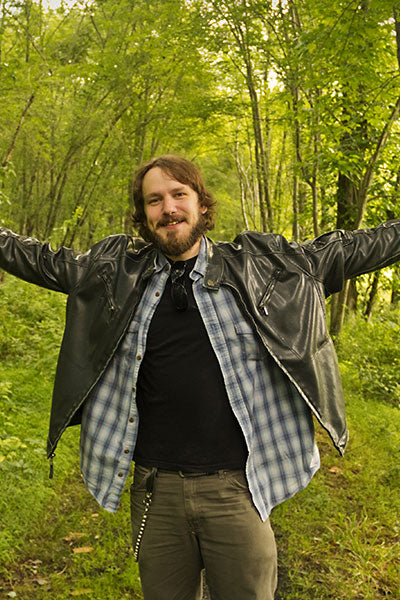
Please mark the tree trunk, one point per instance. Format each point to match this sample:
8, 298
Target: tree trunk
239, 30
314, 185
295, 206
372, 295
278, 181
338, 305
349, 197
11, 148
395, 293
242, 185
347, 202
261, 155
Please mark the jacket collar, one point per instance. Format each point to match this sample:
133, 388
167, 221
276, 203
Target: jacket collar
214, 270
156, 261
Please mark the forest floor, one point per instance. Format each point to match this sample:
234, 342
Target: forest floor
338, 539
74, 549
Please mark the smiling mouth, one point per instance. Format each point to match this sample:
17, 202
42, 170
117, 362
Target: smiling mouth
171, 223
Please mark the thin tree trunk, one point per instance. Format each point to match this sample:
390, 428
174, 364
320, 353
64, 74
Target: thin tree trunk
11, 148
395, 292
242, 185
314, 184
346, 201
278, 180
261, 157
295, 205
338, 306
372, 295
239, 31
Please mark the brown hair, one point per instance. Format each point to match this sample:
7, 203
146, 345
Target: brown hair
183, 171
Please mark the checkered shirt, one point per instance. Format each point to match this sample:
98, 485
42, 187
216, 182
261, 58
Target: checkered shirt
276, 422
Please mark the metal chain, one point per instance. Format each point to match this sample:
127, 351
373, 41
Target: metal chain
147, 502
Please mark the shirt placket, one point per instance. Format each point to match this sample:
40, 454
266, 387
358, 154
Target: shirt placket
146, 311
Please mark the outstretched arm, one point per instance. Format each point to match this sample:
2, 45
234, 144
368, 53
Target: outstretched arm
341, 255
37, 263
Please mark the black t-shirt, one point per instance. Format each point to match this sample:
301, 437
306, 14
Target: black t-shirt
185, 419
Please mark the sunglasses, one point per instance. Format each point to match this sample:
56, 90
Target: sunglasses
178, 291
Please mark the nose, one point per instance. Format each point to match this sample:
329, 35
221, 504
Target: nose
168, 205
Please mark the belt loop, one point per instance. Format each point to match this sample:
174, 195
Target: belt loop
150, 481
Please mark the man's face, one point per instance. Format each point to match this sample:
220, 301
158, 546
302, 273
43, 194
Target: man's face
174, 216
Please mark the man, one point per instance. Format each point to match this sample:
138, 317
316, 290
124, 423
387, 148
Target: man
204, 362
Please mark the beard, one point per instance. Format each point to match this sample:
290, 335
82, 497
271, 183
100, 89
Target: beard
174, 245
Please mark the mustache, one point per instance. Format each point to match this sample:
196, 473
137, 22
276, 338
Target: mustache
168, 220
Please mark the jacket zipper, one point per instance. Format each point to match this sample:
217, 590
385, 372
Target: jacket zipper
111, 303
263, 306
52, 455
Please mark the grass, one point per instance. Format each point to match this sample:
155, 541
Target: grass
337, 539
340, 536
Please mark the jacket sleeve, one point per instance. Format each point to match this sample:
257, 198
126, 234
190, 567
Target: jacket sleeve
36, 262
341, 255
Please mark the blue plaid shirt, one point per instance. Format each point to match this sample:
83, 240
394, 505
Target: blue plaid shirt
276, 422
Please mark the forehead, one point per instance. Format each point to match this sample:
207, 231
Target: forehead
157, 180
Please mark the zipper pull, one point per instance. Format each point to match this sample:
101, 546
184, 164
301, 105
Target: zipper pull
52, 455
265, 310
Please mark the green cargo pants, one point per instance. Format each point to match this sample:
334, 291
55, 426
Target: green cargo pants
202, 522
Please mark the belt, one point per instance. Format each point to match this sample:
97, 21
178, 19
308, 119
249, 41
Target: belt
187, 473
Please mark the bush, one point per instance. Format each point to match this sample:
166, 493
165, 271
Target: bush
32, 322
369, 354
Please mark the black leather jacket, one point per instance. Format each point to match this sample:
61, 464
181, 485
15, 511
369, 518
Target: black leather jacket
280, 286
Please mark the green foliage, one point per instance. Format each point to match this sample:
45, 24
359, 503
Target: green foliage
370, 355
112, 85
30, 335
283, 97
38, 516
33, 329
339, 537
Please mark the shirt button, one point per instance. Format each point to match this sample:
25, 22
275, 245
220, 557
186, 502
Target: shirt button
139, 357
126, 451
133, 389
120, 474
157, 294
131, 420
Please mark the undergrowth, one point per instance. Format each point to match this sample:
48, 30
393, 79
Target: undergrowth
337, 539
369, 353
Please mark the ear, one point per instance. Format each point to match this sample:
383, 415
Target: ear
203, 209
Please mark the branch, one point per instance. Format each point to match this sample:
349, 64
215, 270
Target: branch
16, 132
102, 42
366, 180
369, 172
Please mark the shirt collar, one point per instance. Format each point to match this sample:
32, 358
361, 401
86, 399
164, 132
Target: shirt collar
200, 266
161, 262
